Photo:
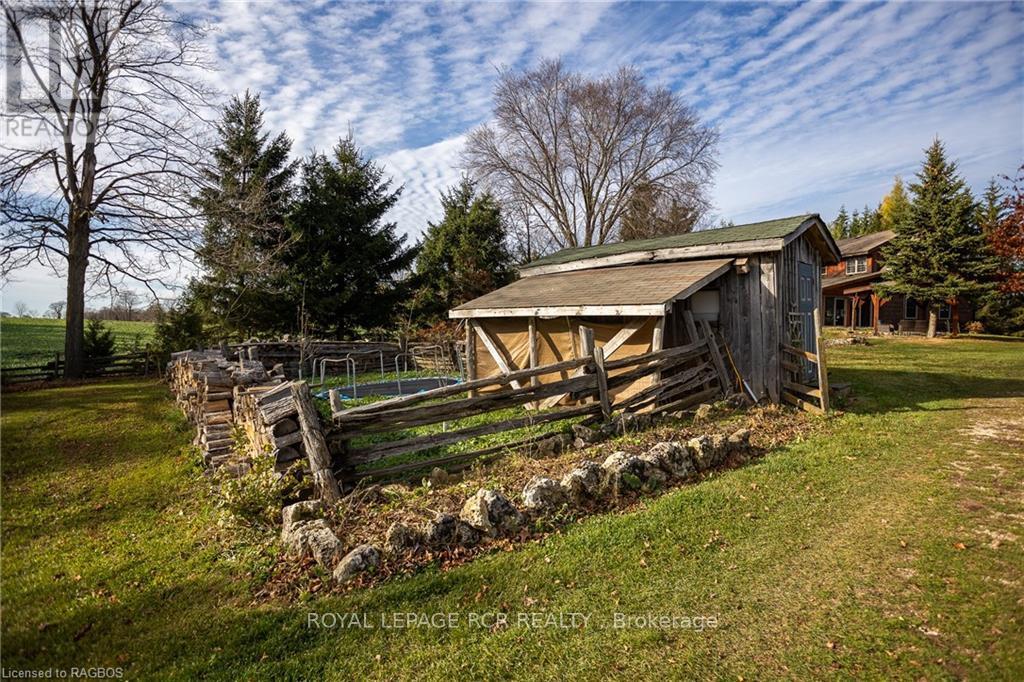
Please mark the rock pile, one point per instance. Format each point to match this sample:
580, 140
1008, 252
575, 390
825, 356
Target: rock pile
489, 514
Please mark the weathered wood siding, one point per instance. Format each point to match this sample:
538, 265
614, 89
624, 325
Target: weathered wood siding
754, 311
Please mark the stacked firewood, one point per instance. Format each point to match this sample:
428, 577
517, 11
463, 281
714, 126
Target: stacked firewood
269, 418
208, 388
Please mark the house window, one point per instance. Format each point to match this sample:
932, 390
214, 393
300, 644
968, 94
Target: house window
909, 309
944, 311
855, 266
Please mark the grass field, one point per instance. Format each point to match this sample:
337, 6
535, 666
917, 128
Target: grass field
34, 341
887, 545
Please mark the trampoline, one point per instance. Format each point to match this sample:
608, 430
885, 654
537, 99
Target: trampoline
392, 388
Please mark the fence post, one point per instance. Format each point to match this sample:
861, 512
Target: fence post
819, 347
716, 356
602, 383
587, 342
470, 354
325, 485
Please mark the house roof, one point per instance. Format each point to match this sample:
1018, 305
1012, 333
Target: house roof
859, 246
630, 290
770, 235
837, 284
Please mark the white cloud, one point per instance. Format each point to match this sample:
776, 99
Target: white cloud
818, 104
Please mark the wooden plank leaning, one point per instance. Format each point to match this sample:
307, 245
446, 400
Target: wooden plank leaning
325, 485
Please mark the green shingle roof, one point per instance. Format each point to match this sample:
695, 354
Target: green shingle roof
769, 229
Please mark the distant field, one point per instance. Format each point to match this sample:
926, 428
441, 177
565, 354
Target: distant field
31, 341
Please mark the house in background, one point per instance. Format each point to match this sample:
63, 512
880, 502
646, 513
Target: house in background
849, 298
757, 285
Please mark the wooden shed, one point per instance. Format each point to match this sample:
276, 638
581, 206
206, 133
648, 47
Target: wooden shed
757, 285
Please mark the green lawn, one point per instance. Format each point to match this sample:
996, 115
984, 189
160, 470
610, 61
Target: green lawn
886, 545
34, 341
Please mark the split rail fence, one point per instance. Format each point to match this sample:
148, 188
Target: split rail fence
129, 364
681, 377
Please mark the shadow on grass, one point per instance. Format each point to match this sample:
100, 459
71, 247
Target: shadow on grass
884, 390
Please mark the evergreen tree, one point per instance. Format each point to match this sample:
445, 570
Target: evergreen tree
855, 224
462, 256
346, 267
895, 206
840, 227
992, 207
939, 253
244, 203
98, 339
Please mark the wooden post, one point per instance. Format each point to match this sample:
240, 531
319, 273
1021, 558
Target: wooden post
819, 348
658, 341
470, 354
691, 327
534, 380
325, 485
602, 383
716, 356
335, 397
587, 340
587, 348
874, 312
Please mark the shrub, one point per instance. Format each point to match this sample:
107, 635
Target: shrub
98, 341
1003, 314
180, 328
255, 498
975, 327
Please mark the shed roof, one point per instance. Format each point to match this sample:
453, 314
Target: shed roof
858, 246
769, 235
630, 290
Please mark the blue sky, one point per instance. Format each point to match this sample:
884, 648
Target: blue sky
818, 105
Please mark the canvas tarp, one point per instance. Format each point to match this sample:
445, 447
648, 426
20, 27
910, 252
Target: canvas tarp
558, 339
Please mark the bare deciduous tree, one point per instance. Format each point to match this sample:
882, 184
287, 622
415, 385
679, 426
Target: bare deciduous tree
21, 309
124, 304
57, 310
102, 188
574, 150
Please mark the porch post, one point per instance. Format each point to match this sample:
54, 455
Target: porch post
874, 312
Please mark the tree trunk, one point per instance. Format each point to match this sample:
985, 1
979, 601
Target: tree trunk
74, 318
933, 319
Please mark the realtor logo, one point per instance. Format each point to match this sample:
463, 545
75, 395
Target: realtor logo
32, 48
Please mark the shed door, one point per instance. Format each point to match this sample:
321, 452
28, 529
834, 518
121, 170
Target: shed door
808, 295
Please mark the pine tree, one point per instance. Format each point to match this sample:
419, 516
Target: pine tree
855, 224
840, 227
939, 254
992, 207
462, 256
347, 268
248, 193
895, 206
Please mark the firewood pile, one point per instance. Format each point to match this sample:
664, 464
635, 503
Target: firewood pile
269, 417
213, 392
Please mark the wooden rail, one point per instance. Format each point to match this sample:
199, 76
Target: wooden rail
683, 376
128, 364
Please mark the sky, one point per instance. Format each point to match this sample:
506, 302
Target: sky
818, 105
